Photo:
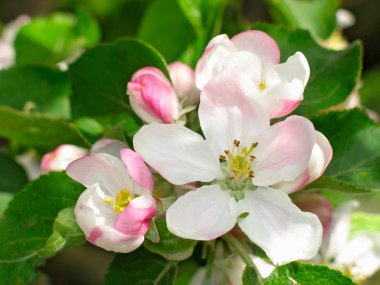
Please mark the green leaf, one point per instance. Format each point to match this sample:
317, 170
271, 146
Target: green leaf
251, 277
361, 221
140, 267
28, 224
170, 246
40, 89
36, 129
333, 74
326, 183
66, 233
306, 274
5, 198
316, 16
370, 90
166, 28
100, 76
355, 140
51, 39
12, 175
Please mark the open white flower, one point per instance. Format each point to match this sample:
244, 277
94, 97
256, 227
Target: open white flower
115, 210
357, 257
255, 56
243, 155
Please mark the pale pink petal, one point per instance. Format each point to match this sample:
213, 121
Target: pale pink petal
283, 151
152, 98
204, 214
177, 153
183, 79
259, 43
61, 157
320, 158
103, 169
135, 219
151, 71
219, 47
108, 146
225, 113
276, 225
137, 169
95, 218
295, 67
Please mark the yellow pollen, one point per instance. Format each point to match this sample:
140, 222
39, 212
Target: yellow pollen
122, 199
239, 161
262, 85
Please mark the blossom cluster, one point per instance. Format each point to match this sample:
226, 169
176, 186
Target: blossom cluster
242, 165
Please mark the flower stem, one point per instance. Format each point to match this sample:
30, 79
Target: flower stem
235, 244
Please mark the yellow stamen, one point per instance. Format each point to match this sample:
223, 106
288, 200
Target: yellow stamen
239, 160
122, 199
262, 85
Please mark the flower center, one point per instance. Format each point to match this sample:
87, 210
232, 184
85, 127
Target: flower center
121, 201
262, 85
239, 161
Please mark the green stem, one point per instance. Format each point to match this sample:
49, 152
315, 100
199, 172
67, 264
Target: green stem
210, 261
235, 244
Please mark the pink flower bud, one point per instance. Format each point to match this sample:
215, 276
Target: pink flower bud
152, 97
61, 157
183, 79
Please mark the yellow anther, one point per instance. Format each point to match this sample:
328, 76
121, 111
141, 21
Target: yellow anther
108, 200
262, 85
239, 160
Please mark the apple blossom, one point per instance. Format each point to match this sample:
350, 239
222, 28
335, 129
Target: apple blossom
61, 157
183, 80
152, 96
358, 256
255, 56
115, 210
242, 156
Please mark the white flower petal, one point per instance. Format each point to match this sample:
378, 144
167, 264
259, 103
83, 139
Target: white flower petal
108, 146
283, 151
361, 255
225, 114
275, 224
337, 237
204, 214
177, 153
295, 67
103, 169
218, 47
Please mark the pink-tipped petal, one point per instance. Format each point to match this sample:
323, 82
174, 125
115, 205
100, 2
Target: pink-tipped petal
319, 160
137, 168
61, 157
259, 43
135, 219
183, 79
204, 214
283, 151
225, 113
152, 98
105, 170
95, 218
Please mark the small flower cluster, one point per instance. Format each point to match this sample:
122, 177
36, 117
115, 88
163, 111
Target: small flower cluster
244, 166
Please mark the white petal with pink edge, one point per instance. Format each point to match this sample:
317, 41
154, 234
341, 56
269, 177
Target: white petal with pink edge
283, 151
320, 158
282, 230
61, 157
103, 169
95, 218
137, 169
225, 114
204, 214
177, 153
